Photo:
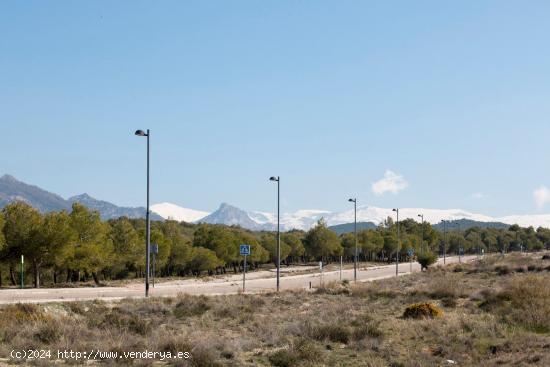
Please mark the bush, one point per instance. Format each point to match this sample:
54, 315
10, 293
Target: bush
422, 310
529, 298
426, 259
189, 306
502, 270
48, 332
302, 350
283, 358
334, 332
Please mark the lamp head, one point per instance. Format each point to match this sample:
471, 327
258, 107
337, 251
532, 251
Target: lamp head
140, 133
352, 200
394, 210
273, 178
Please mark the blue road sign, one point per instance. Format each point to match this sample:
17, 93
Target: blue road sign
245, 249
410, 252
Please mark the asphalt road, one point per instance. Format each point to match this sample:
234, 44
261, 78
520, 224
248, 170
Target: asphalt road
257, 282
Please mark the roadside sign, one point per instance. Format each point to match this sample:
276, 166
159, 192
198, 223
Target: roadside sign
245, 249
410, 252
154, 248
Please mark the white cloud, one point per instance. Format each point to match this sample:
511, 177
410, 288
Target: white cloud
541, 196
478, 195
392, 182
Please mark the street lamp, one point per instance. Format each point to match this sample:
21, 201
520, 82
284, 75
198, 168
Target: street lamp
278, 179
147, 217
354, 201
422, 244
398, 245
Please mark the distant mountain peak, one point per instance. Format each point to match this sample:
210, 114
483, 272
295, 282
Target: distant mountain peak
12, 190
7, 177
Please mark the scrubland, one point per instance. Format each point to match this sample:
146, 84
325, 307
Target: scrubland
491, 312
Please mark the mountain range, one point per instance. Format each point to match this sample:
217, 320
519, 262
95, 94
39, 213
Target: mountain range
12, 190
367, 217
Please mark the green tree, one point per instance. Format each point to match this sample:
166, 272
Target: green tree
347, 240
203, 259
127, 245
2, 246
269, 242
22, 229
371, 241
321, 242
56, 237
2, 237
93, 249
219, 239
293, 240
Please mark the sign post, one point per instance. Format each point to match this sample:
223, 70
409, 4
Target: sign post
410, 252
245, 251
22, 270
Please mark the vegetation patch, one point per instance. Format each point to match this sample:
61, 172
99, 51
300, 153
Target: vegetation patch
422, 310
189, 306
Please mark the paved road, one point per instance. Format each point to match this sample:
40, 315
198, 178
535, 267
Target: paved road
257, 282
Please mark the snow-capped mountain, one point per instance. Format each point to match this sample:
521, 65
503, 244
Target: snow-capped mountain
175, 212
231, 215
305, 219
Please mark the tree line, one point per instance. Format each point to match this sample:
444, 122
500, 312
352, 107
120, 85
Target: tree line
65, 247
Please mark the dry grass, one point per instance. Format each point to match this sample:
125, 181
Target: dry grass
491, 317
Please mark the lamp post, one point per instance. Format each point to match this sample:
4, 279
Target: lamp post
398, 245
422, 243
278, 179
147, 217
354, 201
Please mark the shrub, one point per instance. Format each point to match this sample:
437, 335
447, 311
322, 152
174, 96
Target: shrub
426, 259
23, 312
449, 302
502, 270
283, 358
335, 288
529, 298
302, 350
366, 329
422, 310
546, 257
48, 332
202, 356
334, 332
119, 319
191, 306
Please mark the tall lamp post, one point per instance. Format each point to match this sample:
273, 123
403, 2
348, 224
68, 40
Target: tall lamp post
147, 217
398, 245
422, 244
278, 179
354, 201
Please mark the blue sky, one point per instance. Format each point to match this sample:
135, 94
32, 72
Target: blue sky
453, 98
